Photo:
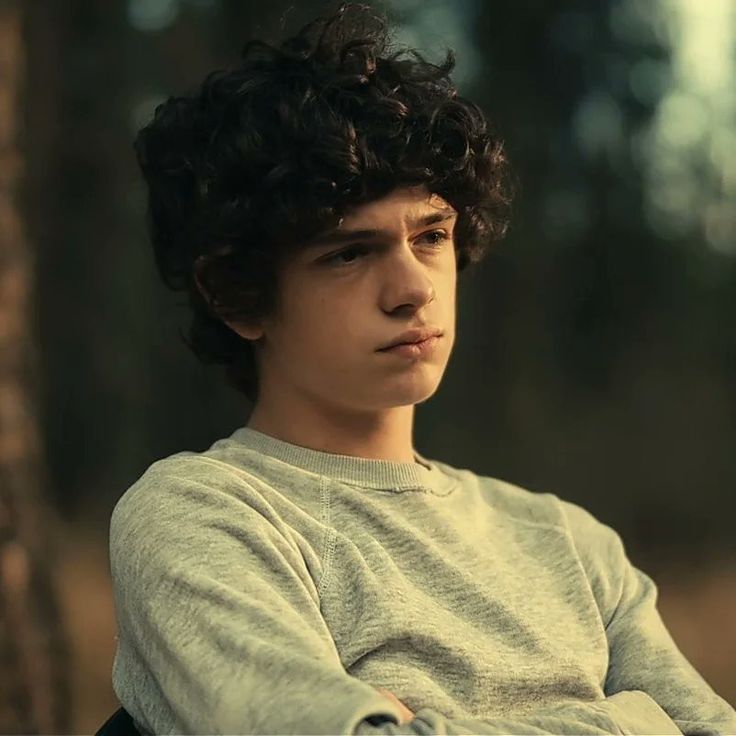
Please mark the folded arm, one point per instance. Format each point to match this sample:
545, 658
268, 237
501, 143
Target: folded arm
622, 713
220, 631
642, 654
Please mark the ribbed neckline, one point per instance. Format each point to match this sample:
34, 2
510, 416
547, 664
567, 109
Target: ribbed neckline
376, 474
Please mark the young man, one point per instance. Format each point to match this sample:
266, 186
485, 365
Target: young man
312, 572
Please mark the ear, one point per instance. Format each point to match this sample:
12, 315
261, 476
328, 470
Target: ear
248, 331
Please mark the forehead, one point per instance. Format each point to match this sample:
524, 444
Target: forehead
400, 203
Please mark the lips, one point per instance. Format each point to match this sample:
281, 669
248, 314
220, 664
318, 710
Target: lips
413, 336
414, 350
413, 342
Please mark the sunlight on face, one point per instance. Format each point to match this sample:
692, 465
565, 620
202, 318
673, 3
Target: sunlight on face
389, 266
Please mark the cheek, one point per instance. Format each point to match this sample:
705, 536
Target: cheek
314, 326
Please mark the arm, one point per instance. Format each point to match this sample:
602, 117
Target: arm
219, 624
220, 630
622, 713
642, 653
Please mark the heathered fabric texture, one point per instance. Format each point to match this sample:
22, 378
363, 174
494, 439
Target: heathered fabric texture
266, 588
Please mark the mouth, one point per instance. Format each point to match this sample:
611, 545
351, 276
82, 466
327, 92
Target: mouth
414, 349
413, 337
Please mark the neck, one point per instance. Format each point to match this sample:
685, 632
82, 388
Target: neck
380, 435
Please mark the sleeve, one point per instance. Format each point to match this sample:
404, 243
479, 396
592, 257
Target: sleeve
219, 623
622, 713
220, 631
642, 654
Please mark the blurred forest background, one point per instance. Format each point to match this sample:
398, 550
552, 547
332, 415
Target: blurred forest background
596, 349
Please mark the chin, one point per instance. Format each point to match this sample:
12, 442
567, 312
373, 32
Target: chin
411, 393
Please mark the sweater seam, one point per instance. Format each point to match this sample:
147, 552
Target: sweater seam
565, 530
579, 561
328, 550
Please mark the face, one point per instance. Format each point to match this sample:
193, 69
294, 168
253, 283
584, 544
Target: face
347, 294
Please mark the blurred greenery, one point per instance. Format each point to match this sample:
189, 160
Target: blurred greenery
596, 351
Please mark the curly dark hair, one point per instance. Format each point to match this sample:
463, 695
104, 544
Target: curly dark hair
264, 156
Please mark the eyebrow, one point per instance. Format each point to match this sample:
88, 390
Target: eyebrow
342, 236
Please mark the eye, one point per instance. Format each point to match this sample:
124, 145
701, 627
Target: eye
337, 258
436, 237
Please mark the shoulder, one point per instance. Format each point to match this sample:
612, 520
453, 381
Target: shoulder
514, 502
171, 483
187, 479
595, 542
183, 502
594, 545
543, 508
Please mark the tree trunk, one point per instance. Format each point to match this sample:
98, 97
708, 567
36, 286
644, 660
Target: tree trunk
33, 694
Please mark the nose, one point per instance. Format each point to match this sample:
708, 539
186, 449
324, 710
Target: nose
408, 283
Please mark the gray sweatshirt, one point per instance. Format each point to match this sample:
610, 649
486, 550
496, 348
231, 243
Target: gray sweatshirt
266, 588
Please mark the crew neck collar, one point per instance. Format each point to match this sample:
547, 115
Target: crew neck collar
423, 474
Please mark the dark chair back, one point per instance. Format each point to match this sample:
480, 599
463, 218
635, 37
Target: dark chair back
120, 723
